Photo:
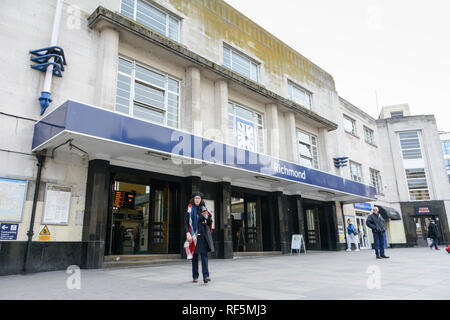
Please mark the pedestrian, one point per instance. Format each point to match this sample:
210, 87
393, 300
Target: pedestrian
433, 233
376, 222
197, 224
351, 235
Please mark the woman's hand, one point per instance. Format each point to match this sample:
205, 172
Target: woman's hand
188, 237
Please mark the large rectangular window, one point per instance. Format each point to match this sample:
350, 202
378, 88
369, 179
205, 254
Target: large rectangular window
299, 95
350, 125
308, 155
355, 172
241, 64
410, 145
417, 184
245, 127
147, 94
445, 147
375, 180
152, 17
368, 135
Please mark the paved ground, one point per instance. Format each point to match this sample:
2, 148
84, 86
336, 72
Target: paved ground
414, 273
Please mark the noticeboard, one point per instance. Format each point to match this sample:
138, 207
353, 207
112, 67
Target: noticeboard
12, 199
56, 204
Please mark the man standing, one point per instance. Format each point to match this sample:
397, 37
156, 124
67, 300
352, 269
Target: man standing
376, 222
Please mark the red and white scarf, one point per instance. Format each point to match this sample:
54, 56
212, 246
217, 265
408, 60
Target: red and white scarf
189, 246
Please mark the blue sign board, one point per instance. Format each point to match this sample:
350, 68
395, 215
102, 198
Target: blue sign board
8, 231
98, 123
363, 206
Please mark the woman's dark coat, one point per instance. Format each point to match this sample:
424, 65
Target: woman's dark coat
204, 237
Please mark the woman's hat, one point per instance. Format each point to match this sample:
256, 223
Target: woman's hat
197, 194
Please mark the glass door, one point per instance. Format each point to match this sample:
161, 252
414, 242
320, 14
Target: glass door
363, 232
312, 229
158, 240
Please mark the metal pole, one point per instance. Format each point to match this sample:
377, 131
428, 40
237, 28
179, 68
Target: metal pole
40, 163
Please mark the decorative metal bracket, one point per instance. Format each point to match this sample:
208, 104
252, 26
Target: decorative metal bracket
43, 56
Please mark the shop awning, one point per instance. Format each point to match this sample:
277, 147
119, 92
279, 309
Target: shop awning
127, 141
389, 213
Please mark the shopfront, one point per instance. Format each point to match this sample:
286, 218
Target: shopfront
141, 175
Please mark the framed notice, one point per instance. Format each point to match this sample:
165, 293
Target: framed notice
12, 199
56, 204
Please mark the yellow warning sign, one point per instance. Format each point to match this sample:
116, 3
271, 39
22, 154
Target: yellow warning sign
44, 235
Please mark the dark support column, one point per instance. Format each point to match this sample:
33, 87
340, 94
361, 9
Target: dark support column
300, 216
223, 221
282, 242
96, 211
334, 232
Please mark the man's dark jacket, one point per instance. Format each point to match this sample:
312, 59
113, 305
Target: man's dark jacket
433, 231
376, 223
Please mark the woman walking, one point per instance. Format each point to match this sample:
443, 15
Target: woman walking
197, 224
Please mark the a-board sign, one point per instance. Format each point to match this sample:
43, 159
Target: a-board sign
297, 243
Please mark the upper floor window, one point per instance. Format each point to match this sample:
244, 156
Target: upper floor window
147, 94
299, 95
396, 114
152, 17
355, 171
349, 125
375, 180
410, 145
241, 64
368, 135
308, 155
445, 147
417, 184
245, 128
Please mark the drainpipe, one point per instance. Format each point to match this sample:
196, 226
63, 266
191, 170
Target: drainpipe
40, 158
45, 99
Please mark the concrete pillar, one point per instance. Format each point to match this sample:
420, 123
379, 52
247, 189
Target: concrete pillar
96, 214
223, 223
272, 129
221, 109
291, 137
107, 63
300, 216
192, 119
325, 155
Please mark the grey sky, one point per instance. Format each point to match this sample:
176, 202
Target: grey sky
399, 48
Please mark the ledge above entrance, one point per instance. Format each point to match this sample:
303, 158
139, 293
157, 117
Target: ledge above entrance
130, 141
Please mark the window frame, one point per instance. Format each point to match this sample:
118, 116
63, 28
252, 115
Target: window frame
162, 10
371, 132
353, 121
166, 90
244, 56
422, 189
258, 126
402, 149
292, 85
375, 176
315, 156
360, 171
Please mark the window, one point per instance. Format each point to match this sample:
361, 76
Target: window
375, 180
151, 17
417, 184
245, 128
396, 114
368, 135
147, 94
355, 172
445, 147
299, 95
447, 164
241, 64
349, 125
410, 145
307, 150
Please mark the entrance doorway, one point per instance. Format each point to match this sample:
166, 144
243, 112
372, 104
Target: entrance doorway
421, 224
246, 223
139, 219
363, 231
312, 228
